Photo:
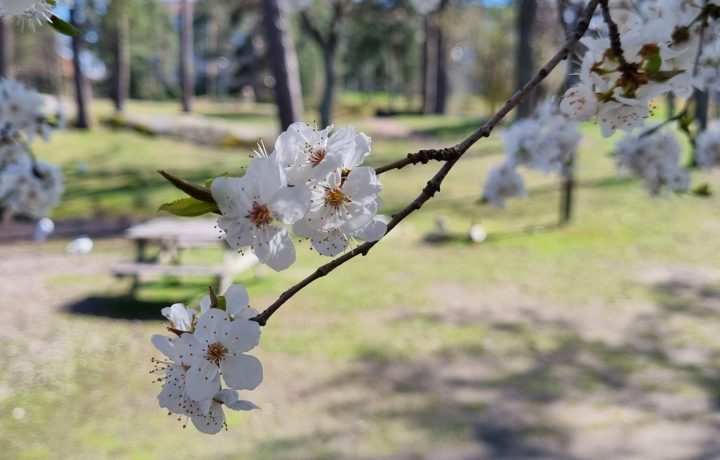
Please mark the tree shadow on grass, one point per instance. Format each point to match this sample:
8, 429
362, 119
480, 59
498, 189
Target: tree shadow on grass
150, 298
120, 307
546, 386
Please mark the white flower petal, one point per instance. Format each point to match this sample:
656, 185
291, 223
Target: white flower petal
243, 336
210, 423
211, 326
276, 250
242, 405
202, 381
373, 231
189, 351
291, 203
330, 244
242, 372
165, 345
264, 177
230, 197
236, 299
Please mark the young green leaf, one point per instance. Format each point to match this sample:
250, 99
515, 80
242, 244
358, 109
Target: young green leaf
189, 207
196, 191
63, 27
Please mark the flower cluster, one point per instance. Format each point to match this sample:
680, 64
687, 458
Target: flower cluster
314, 181
27, 12
27, 187
654, 158
658, 55
208, 347
503, 182
707, 147
546, 142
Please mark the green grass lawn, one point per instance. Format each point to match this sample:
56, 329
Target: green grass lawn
414, 348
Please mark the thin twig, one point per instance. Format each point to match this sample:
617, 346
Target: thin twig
614, 33
422, 156
453, 155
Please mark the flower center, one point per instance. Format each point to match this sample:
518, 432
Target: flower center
316, 155
260, 215
215, 352
334, 197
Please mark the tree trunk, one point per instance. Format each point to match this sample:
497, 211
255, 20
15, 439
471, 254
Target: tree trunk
429, 66
186, 55
527, 10
567, 188
121, 77
83, 90
435, 56
702, 101
212, 46
284, 64
441, 75
326, 104
6, 49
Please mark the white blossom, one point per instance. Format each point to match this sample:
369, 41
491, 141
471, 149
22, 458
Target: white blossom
21, 112
218, 347
209, 349
708, 148
236, 303
503, 182
342, 206
545, 142
579, 103
33, 188
653, 158
181, 318
255, 206
658, 60
306, 153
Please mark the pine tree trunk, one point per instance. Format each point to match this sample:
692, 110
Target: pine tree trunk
83, 90
121, 78
326, 104
429, 66
6, 48
284, 64
567, 189
527, 11
435, 57
186, 55
441, 74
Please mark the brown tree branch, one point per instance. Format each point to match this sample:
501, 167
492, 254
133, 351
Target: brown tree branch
453, 155
614, 33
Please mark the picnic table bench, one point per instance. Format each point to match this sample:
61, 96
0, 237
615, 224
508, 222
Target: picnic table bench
172, 236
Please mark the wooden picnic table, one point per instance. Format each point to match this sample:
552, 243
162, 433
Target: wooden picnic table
172, 236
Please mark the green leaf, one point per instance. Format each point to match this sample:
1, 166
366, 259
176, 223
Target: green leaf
63, 27
654, 61
664, 75
52, 3
189, 207
196, 191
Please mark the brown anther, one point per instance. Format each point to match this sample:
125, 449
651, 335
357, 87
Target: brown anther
335, 198
215, 352
260, 215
